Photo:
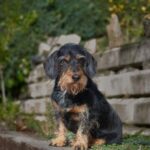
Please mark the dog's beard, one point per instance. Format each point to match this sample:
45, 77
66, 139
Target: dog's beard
75, 88
66, 84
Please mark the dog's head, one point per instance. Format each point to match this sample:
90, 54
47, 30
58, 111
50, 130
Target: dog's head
71, 65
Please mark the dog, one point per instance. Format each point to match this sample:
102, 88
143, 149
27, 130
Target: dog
79, 106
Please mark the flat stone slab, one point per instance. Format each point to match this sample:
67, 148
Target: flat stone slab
90, 45
70, 38
133, 130
38, 106
132, 110
52, 41
127, 84
19, 141
133, 55
44, 48
37, 74
41, 89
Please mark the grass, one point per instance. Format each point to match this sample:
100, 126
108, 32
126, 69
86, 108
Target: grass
122, 147
136, 142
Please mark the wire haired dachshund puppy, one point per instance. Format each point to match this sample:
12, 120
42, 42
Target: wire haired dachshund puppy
79, 106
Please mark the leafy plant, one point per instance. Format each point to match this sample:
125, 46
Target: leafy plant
8, 112
131, 14
14, 119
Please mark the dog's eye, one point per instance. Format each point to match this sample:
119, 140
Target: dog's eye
81, 60
63, 61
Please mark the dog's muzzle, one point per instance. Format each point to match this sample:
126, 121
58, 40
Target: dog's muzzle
75, 77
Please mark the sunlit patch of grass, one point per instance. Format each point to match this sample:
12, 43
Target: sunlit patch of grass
136, 142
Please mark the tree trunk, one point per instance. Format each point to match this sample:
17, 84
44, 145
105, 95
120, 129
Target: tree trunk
4, 99
146, 24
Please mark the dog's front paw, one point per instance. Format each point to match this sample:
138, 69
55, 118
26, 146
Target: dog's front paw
80, 145
59, 142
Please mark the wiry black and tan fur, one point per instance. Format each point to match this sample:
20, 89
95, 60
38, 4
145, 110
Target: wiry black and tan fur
79, 106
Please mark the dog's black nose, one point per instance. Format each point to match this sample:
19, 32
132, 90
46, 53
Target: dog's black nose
75, 77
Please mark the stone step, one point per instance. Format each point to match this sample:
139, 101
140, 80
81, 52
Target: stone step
132, 111
40, 89
134, 55
38, 106
90, 45
18, 141
37, 74
128, 84
44, 48
134, 130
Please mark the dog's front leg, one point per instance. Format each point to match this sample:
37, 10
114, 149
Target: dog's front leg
82, 135
60, 139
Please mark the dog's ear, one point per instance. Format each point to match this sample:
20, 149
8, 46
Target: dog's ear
91, 65
51, 65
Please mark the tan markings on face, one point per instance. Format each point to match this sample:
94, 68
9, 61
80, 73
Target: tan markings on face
80, 56
77, 109
66, 82
67, 58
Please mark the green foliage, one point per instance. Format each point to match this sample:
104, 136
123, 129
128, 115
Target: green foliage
15, 45
83, 17
8, 112
131, 15
50, 124
32, 125
11, 116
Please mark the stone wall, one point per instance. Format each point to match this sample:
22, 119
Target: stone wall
123, 75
